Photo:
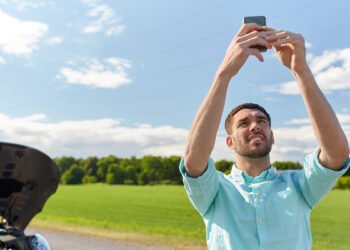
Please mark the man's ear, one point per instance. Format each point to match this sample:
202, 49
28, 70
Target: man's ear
273, 137
230, 142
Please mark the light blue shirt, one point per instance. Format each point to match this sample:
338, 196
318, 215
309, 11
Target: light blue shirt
268, 212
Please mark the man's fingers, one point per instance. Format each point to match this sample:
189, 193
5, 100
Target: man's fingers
272, 33
257, 54
276, 36
280, 37
249, 27
252, 39
283, 41
251, 35
257, 41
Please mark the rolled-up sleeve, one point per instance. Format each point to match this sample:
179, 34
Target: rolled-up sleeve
315, 181
201, 190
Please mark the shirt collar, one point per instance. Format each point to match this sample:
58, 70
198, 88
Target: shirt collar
242, 177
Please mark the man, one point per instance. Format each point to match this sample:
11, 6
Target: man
254, 207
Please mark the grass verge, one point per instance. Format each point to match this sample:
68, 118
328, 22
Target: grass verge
162, 215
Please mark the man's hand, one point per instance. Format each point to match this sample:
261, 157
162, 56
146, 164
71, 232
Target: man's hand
290, 48
239, 50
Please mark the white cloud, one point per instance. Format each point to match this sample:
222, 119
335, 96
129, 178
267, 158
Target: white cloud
297, 121
92, 137
110, 73
331, 70
344, 118
89, 3
103, 137
293, 143
2, 60
25, 5
102, 19
308, 44
19, 37
54, 40
286, 88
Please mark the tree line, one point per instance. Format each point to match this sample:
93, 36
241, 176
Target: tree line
136, 171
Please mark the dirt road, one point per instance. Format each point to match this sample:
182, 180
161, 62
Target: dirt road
60, 240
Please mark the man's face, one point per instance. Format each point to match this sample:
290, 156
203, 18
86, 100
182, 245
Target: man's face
251, 135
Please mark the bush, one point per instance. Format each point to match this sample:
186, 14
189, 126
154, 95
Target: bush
115, 174
287, 165
168, 182
74, 175
224, 166
343, 183
347, 173
129, 182
111, 179
89, 179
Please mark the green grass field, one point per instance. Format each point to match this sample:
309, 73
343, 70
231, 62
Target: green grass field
330, 222
164, 212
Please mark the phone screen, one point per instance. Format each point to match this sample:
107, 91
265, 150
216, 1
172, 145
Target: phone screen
260, 20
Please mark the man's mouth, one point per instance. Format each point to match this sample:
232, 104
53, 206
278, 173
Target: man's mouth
256, 137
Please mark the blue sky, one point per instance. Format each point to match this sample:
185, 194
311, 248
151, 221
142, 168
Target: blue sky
98, 77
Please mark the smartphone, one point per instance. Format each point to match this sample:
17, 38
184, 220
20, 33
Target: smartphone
260, 20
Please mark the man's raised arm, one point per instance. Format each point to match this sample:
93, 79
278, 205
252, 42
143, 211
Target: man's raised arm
206, 123
290, 48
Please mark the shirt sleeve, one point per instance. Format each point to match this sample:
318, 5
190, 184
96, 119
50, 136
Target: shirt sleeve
201, 190
315, 181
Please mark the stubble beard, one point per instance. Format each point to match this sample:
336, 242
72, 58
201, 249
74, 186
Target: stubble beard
259, 152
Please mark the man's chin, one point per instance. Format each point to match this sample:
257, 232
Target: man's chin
256, 152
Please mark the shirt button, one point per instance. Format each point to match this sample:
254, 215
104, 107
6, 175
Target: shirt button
264, 248
261, 221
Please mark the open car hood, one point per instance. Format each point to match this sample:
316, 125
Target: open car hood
28, 178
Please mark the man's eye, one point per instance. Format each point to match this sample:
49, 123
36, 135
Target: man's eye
243, 124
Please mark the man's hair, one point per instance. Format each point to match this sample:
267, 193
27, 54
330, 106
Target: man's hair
229, 118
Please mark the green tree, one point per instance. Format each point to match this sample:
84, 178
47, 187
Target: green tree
169, 172
343, 183
64, 163
115, 174
130, 175
150, 169
224, 166
89, 179
111, 179
102, 167
142, 178
74, 175
287, 165
90, 166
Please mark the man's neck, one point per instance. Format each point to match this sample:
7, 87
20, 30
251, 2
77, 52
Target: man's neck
252, 166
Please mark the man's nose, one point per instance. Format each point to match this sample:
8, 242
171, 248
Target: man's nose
254, 126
